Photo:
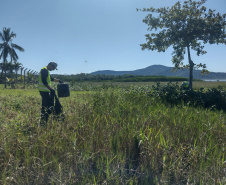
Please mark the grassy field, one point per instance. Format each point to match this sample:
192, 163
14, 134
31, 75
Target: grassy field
93, 85
112, 136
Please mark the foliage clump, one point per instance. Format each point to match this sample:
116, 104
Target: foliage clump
214, 98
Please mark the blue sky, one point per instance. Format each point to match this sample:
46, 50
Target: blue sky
84, 36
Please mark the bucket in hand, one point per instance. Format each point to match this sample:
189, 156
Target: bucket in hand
63, 90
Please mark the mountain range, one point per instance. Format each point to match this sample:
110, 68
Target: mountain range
160, 70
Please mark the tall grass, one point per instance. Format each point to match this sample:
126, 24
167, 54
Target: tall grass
110, 136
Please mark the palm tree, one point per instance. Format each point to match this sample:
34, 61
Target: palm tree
7, 48
5, 66
17, 66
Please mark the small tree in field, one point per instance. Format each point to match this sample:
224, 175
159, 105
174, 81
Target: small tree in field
184, 27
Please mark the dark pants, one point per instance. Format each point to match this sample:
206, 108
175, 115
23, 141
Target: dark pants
47, 106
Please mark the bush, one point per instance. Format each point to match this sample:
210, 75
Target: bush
214, 98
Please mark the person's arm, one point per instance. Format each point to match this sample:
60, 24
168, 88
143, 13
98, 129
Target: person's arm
56, 80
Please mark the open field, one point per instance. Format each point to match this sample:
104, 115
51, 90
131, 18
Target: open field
97, 85
112, 136
90, 85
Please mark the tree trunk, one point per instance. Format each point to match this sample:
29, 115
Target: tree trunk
2, 73
21, 74
191, 67
16, 76
5, 79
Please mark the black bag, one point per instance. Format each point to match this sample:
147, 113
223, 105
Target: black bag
57, 109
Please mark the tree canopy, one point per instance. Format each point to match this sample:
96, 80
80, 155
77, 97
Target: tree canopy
184, 27
7, 48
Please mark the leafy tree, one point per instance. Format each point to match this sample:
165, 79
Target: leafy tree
184, 27
7, 48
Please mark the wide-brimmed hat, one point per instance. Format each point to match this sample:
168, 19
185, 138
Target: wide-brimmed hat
54, 64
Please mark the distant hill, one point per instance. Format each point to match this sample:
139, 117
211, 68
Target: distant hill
160, 70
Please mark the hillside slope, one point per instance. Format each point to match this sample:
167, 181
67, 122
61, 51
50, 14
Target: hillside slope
160, 70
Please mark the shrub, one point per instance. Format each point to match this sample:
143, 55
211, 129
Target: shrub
214, 98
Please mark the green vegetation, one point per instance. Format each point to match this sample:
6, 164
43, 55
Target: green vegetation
185, 26
8, 51
112, 135
172, 93
116, 78
7, 47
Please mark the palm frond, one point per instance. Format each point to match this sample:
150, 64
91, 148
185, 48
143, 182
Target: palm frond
5, 55
6, 34
14, 56
1, 36
1, 55
17, 47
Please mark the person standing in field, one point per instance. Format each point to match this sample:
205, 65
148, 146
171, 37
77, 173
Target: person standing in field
46, 92
185, 85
